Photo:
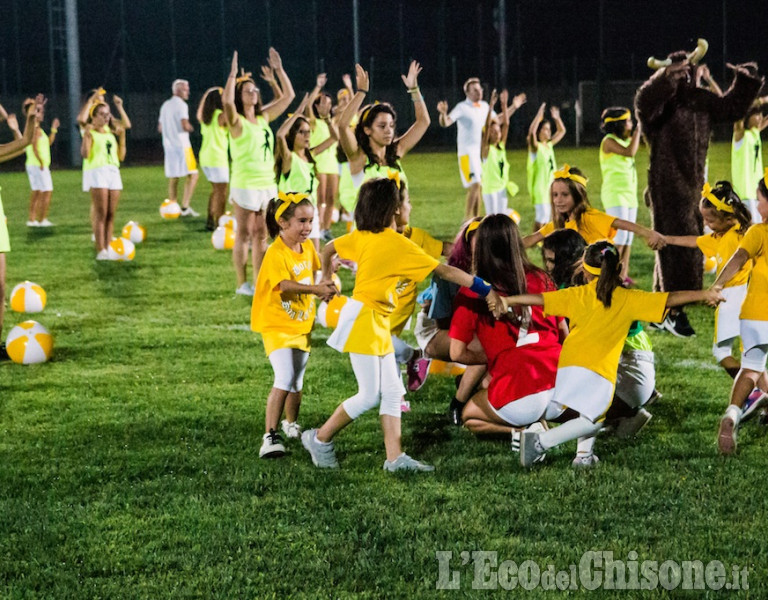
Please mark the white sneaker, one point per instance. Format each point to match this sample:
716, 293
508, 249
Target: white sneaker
323, 455
291, 430
406, 463
272, 445
45, 223
33, 224
102, 255
189, 212
245, 290
585, 462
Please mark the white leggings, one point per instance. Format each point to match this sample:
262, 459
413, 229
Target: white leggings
496, 203
379, 383
289, 365
403, 352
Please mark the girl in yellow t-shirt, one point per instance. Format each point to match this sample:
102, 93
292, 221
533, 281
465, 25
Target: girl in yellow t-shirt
283, 311
385, 259
728, 218
600, 314
754, 319
571, 210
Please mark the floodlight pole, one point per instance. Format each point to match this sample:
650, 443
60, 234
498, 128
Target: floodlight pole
502, 44
73, 77
356, 31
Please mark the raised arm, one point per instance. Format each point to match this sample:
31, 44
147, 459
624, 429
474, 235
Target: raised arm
13, 125
416, 131
82, 116
16, 147
324, 112
121, 148
268, 75
346, 135
87, 143
228, 100
279, 105
485, 142
54, 130
125, 121
504, 114
442, 111
533, 142
517, 102
319, 85
3, 114
282, 143
199, 112
559, 125
611, 146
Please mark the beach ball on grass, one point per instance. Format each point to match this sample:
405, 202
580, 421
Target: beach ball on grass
227, 220
29, 343
328, 312
134, 232
121, 249
710, 265
170, 209
28, 297
223, 238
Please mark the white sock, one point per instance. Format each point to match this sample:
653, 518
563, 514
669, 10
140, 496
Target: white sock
575, 428
322, 443
734, 412
585, 446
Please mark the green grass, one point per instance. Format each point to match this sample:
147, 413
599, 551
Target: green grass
130, 461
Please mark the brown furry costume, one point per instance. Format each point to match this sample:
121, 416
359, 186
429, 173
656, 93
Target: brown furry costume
677, 120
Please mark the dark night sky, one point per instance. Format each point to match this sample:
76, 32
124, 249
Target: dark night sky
433, 31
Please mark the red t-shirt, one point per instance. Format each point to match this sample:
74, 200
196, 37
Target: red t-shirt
516, 371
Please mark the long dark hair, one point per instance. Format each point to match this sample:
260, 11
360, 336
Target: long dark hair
272, 226
724, 191
500, 258
568, 247
211, 103
239, 97
290, 138
604, 256
377, 202
367, 117
461, 254
580, 200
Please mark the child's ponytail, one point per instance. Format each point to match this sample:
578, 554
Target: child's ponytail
602, 259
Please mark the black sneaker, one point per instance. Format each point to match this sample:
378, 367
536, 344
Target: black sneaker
678, 325
4, 352
454, 411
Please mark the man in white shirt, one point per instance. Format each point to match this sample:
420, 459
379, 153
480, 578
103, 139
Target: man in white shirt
174, 126
469, 116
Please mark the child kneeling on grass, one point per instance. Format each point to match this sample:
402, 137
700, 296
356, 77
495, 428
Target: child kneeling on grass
283, 311
385, 261
600, 315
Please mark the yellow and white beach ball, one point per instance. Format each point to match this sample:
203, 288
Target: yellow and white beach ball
29, 343
514, 215
334, 277
134, 232
328, 312
121, 249
170, 210
223, 238
227, 220
710, 265
28, 297
335, 215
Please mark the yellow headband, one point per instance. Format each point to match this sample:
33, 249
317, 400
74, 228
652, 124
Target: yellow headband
591, 269
244, 78
470, 228
395, 176
94, 107
706, 192
622, 117
287, 200
565, 173
364, 116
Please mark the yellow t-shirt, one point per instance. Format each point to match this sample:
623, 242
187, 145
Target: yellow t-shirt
594, 227
407, 288
755, 242
722, 247
598, 333
383, 260
284, 319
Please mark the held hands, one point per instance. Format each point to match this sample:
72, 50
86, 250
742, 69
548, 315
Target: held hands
326, 290
714, 296
361, 77
496, 304
411, 80
656, 241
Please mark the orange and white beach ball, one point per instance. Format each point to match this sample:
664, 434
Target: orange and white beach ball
28, 297
29, 343
121, 249
134, 232
223, 238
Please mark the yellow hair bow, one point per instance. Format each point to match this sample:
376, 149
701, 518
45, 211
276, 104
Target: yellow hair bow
565, 173
622, 117
394, 175
471, 227
706, 192
102, 91
287, 200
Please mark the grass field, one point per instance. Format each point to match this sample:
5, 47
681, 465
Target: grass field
129, 462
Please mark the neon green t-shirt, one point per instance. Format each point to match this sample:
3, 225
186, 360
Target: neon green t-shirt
213, 151
540, 171
253, 159
619, 176
495, 169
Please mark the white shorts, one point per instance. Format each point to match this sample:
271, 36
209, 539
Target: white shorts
470, 167
424, 330
754, 338
39, 179
727, 323
496, 203
179, 162
636, 377
623, 237
752, 206
526, 410
584, 391
107, 177
543, 213
315, 233
216, 174
255, 200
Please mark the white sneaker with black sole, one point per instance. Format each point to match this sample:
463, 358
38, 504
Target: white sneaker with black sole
272, 445
189, 212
